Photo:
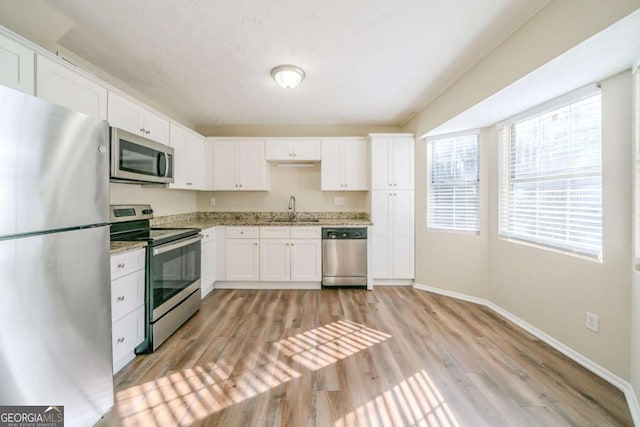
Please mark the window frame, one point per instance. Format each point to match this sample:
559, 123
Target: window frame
506, 181
430, 140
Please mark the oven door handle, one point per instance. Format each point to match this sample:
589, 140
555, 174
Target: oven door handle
175, 245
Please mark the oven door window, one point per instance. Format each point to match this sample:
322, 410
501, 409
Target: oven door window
174, 271
139, 159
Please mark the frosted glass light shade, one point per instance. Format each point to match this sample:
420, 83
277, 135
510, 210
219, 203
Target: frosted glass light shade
287, 76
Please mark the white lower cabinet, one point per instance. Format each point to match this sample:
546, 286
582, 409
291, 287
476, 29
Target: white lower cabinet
127, 305
306, 260
272, 254
242, 254
275, 260
208, 260
393, 234
290, 254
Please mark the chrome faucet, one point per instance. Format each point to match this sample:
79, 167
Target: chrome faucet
292, 205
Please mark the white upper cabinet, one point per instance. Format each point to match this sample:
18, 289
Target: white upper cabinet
293, 150
344, 165
239, 165
16, 66
188, 163
135, 118
58, 84
392, 163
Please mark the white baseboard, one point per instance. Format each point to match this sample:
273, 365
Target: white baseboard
267, 285
118, 365
622, 385
206, 290
392, 282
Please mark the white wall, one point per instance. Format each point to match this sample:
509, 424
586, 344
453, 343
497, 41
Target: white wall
559, 26
303, 183
163, 201
549, 290
635, 285
553, 291
456, 262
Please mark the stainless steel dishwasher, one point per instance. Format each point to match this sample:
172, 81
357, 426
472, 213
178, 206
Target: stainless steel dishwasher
344, 257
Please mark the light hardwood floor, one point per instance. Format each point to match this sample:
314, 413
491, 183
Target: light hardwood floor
394, 356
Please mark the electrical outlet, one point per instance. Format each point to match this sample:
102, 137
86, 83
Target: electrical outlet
592, 322
339, 201
212, 201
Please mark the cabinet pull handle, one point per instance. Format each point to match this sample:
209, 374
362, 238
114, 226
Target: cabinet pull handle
189, 183
121, 298
147, 132
255, 244
141, 129
121, 265
120, 340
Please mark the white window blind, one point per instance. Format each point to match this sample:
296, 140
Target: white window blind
551, 178
454, 184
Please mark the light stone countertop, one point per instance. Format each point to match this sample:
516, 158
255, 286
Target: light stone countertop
208, 223
119, 247
215, 219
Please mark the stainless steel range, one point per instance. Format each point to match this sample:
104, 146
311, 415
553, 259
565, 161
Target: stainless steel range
173, 270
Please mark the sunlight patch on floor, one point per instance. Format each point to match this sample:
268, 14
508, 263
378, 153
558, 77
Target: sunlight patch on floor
327, 344
184, 397
415, 401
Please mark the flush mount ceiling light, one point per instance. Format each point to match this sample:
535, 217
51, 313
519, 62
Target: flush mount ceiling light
287, 76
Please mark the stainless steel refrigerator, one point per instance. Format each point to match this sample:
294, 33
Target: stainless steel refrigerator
55, 325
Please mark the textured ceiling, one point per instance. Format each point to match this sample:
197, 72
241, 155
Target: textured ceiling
367, 61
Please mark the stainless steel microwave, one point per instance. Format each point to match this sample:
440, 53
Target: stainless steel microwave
136, 159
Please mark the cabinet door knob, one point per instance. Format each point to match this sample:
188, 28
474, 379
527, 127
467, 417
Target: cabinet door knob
121, 298
240, 185
255, 244
142, 130
147, 132
120, 340
121, 265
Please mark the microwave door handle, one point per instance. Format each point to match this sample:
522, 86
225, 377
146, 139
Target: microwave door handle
171, 246
163, 164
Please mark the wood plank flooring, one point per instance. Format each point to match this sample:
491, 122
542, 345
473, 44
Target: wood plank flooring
394, 356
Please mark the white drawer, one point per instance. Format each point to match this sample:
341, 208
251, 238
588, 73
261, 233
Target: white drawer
208, 234
306, 232
275, 232
127, 333
127, 293
128, 262
243, 232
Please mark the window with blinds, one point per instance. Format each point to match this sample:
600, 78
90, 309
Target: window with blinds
453, 184
551, 177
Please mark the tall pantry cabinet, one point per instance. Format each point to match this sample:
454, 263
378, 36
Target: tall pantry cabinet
392, 208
